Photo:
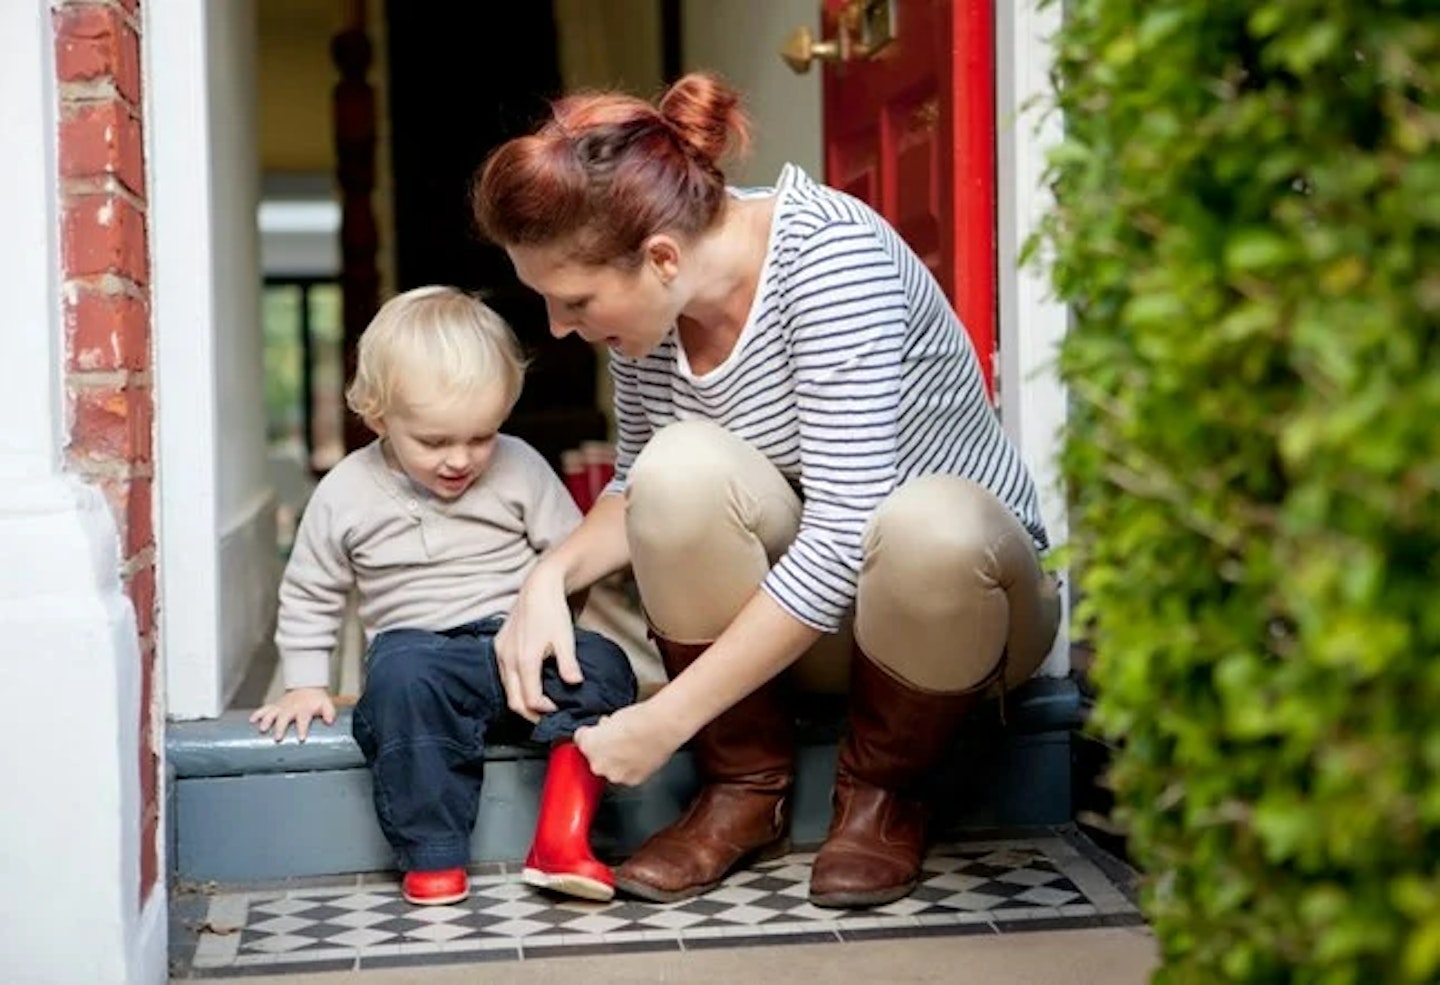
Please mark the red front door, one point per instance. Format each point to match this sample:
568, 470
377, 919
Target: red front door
911, 130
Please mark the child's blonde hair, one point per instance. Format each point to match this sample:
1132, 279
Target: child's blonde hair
449, 339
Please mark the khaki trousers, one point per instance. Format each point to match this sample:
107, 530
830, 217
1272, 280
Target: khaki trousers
950, 583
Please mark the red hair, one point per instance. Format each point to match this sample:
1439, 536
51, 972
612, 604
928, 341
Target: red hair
607, 171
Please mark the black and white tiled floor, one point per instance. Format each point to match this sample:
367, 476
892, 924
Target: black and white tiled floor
998, 886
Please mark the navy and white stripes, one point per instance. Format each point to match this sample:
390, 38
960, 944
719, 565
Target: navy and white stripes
852, 376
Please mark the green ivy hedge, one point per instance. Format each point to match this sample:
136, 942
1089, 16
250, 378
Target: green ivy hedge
1248, 230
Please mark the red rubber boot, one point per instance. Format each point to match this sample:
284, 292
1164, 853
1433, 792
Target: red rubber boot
560, 858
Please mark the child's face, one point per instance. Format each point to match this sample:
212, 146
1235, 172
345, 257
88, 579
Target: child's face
444, 442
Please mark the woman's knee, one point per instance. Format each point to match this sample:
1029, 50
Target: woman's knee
698, 490
680, 449
935, 536
682, 466
947, 576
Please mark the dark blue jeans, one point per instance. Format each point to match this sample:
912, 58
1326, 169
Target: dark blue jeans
428, 702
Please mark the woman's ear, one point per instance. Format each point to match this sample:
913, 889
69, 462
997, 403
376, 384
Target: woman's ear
662, 251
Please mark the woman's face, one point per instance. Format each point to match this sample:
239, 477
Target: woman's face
629, 309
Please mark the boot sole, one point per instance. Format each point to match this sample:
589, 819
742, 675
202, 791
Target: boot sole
435, 900
654, 894
569, 884
860, 900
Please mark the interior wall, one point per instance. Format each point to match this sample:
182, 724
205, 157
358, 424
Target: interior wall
235, 191
740, 39
609, 44
295, 81
245, 498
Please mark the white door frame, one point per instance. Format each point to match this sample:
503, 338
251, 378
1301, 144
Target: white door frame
182, 244
1032, 321
218, 564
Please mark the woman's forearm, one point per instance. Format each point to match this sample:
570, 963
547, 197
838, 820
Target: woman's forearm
598, 547
762, 641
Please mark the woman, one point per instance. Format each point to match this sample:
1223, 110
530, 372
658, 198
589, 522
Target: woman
804, 440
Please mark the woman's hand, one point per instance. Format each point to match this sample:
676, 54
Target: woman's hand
300, 705
538, 627
629, 746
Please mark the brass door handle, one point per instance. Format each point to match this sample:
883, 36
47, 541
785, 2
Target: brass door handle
801, 50
864, 26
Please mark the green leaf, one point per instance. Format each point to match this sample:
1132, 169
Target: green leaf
1254, 250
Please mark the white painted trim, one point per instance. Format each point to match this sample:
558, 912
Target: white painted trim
80, 826
150, 956
177, 105
1032, 320
29, 262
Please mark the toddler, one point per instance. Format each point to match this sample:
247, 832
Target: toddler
435, 525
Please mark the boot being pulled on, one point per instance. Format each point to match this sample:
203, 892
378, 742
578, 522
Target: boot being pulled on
560, 859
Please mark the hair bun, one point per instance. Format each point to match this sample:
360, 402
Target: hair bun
705, 113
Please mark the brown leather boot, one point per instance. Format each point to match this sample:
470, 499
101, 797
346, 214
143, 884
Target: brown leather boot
746, 759
873, 852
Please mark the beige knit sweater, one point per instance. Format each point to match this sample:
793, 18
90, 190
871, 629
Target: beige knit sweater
416, 561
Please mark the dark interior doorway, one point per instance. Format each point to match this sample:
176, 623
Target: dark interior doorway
465, 77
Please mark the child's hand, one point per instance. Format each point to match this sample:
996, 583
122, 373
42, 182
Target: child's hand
299, 705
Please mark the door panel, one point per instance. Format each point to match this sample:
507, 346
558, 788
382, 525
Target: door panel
917, 205
911, 130
854, 169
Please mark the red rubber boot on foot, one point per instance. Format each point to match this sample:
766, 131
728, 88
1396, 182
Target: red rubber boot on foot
436, 888
560, 859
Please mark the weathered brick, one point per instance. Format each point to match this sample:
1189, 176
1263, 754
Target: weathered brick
92, 43
149, 850
139, 516
149, 778
151, 791
104, 234
112, 424
103, 138
140, 586
106, 331
131, 501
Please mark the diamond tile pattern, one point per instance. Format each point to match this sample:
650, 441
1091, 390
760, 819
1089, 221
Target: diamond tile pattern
970, 886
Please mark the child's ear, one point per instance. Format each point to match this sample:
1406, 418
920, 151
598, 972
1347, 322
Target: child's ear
376, 424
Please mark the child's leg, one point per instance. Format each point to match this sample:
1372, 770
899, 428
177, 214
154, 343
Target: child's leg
421, 725
609, 684
560, 858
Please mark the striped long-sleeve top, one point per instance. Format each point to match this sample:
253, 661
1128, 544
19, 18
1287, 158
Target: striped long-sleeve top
852, 375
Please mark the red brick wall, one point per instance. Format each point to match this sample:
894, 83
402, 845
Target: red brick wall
106, 299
